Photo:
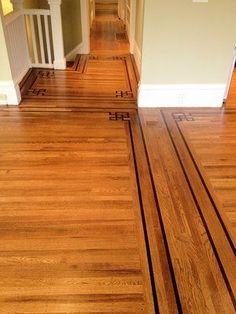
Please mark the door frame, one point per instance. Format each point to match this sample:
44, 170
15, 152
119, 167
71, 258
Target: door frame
132, 25
230, 76
85, 23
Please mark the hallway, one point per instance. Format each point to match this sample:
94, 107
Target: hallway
110, 208
108, 75
108, 33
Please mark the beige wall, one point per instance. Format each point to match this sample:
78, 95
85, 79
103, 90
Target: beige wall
188, 43
30, 4
139, 23
5, 71
71, 22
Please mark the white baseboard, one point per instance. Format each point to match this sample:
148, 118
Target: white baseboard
181, 95
9, 93
72, 54
137, 56
59, 64
21, 75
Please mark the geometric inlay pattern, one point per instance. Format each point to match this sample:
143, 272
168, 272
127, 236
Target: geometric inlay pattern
183, 117
119, 116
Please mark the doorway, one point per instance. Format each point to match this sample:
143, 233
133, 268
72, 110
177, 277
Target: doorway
108, 26
230, 94
108, 31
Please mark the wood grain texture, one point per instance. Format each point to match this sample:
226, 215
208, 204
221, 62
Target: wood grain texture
93, 81
211, 138
100, 213
201, 255
107, 78
71, 230
106, 26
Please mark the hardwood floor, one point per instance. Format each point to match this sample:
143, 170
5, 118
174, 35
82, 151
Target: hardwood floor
104, 209
106, 78
92, 82
108, 33
72, 238
200, 243
211, 138
231, 100
102, 214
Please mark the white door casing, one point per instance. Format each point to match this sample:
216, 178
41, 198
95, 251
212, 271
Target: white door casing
130, 24
230, 75
85, 23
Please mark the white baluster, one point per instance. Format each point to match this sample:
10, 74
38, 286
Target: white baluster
41, 39
57, 34
47, 39
36, 58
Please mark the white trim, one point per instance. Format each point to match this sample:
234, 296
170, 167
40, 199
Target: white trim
132, 25
85, 23
9, 93
12, 16
59, 64
36, 12
137, 56
20, 76
57, 34
72, 54
121, 9
230, 75
181, 95
42, 65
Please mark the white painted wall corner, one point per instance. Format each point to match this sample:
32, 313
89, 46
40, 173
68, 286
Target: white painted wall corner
137, 56
77, 50
181, 95
9, 93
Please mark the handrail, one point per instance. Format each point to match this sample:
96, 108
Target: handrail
12, 16
36, 12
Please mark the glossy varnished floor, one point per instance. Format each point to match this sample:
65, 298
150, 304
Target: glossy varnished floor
93, 82
108, 34
72, 238
107, 78
106, 210
188, 153
99, 215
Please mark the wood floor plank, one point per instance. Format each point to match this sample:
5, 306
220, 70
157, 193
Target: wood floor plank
102, 79
107, 78
211, 140
192, 252
162, 270
71, 232
106, 26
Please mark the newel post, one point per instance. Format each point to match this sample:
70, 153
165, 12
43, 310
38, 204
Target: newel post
57, 34
17, 5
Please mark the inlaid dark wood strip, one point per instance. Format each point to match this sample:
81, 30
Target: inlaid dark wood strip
188, 239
